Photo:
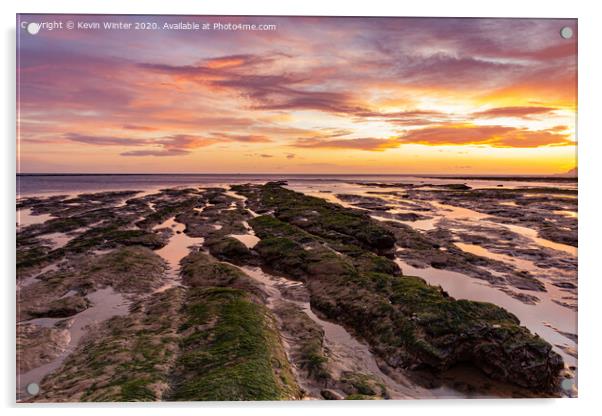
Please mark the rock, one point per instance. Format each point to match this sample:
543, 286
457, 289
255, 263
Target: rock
61, 308
439, 261
112, 236
329, 394
539, 208
565, 285
37, 345
454, 186
523, 297
524, 281
200, 270
324, 219
307, 350
363, 384
282, 254
133, 270
205, 343
229, 249
408, 323
297, 293
231, 350
370, 206
410, 216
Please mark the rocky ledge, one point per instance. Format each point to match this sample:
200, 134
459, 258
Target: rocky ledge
337, 251
212, 340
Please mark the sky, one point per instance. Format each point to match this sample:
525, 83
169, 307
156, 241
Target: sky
311, 95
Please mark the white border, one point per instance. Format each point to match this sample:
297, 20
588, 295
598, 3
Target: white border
590, 163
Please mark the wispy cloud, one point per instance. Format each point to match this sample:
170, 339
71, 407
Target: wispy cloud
494, 136
138, 127
371, 144
244, 138
518, 112
162, 152
173, 145
450, 135
106, 140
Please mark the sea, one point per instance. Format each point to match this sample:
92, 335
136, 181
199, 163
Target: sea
38, 184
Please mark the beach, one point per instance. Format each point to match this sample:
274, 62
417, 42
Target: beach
270, 287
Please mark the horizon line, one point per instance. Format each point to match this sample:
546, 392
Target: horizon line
293, 174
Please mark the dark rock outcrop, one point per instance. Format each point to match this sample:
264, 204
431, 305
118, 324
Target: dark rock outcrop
323, 219
407, 322
230, 249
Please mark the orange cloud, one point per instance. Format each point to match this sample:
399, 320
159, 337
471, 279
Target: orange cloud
160, 153
227, 61
371, 144
450, 135
245, 138
494, 136
518, 112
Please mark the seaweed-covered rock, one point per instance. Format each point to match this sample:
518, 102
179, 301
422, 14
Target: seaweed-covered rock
408, 323
111, 237
200, 270
203, 343
62, 307
559, 235
229, 249
321, 218
362, 384
231, 350
283, 255
132, 270
329, 394
127, 358
416, 326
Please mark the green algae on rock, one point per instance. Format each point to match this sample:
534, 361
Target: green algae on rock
200, 270
321, 218
127, 358
132, 270
229, 249
408, 323
230, 350
200, 344
214, 338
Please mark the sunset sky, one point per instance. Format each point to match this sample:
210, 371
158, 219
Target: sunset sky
317, 95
